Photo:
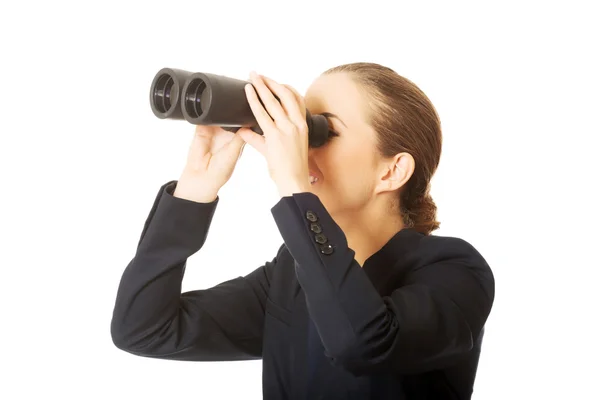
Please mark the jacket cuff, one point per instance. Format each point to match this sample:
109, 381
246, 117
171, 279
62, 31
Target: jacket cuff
174, 221
325, 265
308, 230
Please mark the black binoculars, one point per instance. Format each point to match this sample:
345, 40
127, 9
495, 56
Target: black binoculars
209, 99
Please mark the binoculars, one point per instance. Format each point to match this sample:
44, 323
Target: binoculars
209, 99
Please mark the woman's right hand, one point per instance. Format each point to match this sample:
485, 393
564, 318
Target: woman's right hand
212, 156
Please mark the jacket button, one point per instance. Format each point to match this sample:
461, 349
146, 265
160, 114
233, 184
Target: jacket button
316, 228
311, 216
327, 249
320, 238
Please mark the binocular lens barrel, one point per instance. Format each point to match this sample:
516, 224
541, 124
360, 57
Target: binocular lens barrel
209, 99
162, 93
195, 96
166, 91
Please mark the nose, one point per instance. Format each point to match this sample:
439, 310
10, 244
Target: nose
311, 157
312, 152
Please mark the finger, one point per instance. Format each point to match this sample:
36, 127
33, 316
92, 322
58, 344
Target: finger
299, 97
229, 153
235, 147
300, 100
221, 137
200, 143
272, 106
261, 115
253, 139
290, 102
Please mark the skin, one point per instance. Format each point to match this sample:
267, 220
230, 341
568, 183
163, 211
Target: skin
355, 183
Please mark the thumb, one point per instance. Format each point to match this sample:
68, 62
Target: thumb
229, 154
253, 139
235, 146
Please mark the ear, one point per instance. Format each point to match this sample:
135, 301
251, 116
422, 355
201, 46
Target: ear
396, 172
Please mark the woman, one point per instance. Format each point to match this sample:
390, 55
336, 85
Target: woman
360, 301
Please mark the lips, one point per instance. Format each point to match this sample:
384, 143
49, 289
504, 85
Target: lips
314, 177
313, 172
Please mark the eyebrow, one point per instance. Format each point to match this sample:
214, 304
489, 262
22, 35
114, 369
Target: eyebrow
328, 115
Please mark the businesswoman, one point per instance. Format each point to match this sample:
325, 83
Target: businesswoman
361, 301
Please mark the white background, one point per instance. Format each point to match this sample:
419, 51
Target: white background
82, 158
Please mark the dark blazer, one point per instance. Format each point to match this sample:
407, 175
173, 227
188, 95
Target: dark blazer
407, 325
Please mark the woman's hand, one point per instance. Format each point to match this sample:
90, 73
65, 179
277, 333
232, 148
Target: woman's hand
284, 142
211, 159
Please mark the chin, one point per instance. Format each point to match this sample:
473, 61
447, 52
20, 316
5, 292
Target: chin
313, 187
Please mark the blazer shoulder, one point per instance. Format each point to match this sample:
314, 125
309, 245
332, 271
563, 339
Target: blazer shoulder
452, 259
448, 247
455, 250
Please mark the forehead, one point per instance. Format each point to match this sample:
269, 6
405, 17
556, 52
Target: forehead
338, 94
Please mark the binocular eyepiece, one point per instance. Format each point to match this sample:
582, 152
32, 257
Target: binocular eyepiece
209, 99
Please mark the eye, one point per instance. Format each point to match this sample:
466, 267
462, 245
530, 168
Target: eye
333, 133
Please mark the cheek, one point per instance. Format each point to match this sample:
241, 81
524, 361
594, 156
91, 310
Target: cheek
349, 169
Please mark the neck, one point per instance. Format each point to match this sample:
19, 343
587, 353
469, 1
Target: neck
368, 230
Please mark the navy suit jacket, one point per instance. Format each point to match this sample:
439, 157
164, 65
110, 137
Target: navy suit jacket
407, 325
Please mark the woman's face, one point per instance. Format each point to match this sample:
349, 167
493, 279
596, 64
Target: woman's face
347, 167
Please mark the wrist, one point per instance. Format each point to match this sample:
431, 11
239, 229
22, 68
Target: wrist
195, 191
291, 188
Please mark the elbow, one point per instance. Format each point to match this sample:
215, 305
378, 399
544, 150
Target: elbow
366, 362
360, 358
398, 356
129, 345
123, 339
119, 338
121, 329
370, 351
145, 342
120, 343
355, 360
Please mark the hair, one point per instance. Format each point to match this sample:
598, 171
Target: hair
404, 120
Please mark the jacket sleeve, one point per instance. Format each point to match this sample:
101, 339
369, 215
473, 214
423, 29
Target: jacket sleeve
151, 316
429, 322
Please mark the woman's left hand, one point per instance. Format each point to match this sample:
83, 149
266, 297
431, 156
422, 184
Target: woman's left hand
284, 142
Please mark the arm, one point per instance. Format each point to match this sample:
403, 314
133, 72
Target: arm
151, 316
426, 324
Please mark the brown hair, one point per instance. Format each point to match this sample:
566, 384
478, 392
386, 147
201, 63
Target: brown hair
405, 120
